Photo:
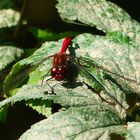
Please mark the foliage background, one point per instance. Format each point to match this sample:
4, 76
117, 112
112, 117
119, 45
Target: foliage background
20, 118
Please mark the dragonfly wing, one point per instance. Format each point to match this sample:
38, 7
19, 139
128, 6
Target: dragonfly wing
19, 73
91, 77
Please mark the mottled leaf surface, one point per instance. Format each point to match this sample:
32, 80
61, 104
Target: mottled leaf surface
5, 4
8, 18
9, 53
133, 130
89, 122
21, 70
117, 56
84, 50
79, 96
35, 95
103, 14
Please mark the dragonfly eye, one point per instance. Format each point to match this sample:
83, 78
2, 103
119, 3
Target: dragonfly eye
62, 70
54, 71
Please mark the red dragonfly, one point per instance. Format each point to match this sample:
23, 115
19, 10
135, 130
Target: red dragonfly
58, 71
60, 61
60, 66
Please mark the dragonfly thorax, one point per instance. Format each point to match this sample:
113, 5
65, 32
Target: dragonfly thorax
60, 59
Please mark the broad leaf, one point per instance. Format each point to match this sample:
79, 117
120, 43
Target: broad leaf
48, 35
5, 4
103, 14
8, 18
3, 113
88, 122
78, 96
36, 95
9, 53
115, 56
24, 66
133, 130
21, 70
41, 106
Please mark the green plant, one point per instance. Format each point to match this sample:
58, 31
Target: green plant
96, 105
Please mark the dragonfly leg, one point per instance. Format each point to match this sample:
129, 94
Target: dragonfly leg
51, 87
43, 77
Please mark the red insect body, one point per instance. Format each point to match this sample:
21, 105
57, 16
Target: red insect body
60, 61
66, 43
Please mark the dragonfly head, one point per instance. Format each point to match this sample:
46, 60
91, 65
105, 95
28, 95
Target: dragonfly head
58, 73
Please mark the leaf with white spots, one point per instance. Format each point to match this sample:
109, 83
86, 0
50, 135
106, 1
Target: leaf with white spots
115, 55
23, 68
78, 96
103, 14
133, 130
8, 18
89, 122
9, 53
37, 97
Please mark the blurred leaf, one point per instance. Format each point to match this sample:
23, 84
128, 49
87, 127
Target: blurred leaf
9, 53
133, 129
77, 96
6, 4
3, 113
103, 14
88, 122
114, 90
29, 51
8, 18
48, 35
41, 106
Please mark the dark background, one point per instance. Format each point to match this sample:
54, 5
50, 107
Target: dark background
20, 117
132, 7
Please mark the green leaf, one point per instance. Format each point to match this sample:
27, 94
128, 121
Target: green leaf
36, 97
24, 66
109, 91
3, 113
8, 18
48, 35
5, 4
41, 106
133, 129
27, 92
117, 58
88, 122
78, 96
103, 14
21, 70
9, 53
